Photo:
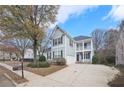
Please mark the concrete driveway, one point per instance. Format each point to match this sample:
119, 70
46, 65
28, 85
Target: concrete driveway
83, 75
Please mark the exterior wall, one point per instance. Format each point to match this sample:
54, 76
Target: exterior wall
69, 51
60, 47
28, 54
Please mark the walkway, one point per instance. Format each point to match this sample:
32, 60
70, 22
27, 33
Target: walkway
74, 75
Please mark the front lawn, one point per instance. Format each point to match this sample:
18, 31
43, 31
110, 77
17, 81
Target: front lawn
39, 71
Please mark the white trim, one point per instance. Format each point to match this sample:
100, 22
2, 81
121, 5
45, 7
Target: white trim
65, 46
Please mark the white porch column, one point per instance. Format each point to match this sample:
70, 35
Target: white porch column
75, 51
92, 50
83, 56
83, 46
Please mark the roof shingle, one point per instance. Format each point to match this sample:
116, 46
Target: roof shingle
81, 38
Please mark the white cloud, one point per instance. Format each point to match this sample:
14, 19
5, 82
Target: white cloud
65, 12
116, 13
68, 11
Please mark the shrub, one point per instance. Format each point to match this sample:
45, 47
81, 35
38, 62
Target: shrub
102, 60
42, 58
60, 61
110, 59
39, 65
32, 65
95, 59
43, 64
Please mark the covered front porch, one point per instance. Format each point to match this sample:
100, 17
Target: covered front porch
84, 57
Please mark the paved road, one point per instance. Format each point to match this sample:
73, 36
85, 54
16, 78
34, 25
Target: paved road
5, 82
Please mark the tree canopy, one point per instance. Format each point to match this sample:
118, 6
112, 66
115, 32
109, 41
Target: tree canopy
28, 22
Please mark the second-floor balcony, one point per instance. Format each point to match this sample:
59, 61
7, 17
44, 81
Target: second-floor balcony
87, 47
83, 46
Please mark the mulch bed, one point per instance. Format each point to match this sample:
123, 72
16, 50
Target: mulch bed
45, 71
13, 75
39, 71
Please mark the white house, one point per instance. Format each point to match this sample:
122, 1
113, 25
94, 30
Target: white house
28, 54
77, 49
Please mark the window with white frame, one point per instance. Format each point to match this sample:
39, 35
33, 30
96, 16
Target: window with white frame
87, 55
71, 42
58, 41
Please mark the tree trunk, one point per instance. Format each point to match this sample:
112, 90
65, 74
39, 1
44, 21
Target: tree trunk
22, 64
35, 51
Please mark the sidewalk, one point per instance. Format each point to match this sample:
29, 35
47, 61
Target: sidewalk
34, 79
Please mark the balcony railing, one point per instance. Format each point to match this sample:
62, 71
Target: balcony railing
85, 48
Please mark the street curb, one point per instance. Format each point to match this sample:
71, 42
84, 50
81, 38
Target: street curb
16, 85
11, 79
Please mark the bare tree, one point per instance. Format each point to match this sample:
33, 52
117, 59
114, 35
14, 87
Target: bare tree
97, 36
110, 41
22, 44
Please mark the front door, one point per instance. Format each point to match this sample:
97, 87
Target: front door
77, 57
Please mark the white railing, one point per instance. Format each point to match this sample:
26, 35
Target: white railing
85, 48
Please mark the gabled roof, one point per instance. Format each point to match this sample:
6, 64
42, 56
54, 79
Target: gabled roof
78, 38
57, 27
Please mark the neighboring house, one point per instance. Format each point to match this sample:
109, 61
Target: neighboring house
8, 52
28, 55
77, 49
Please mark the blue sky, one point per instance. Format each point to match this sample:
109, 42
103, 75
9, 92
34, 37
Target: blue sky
82, 20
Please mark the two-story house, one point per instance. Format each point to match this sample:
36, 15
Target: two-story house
77, 49
84, 49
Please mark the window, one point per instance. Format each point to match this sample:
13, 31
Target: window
55, 42
61, 54
48, 55
53, 54
81, 55
71, 43
87, 55
61, 39
85, 45
77, 45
